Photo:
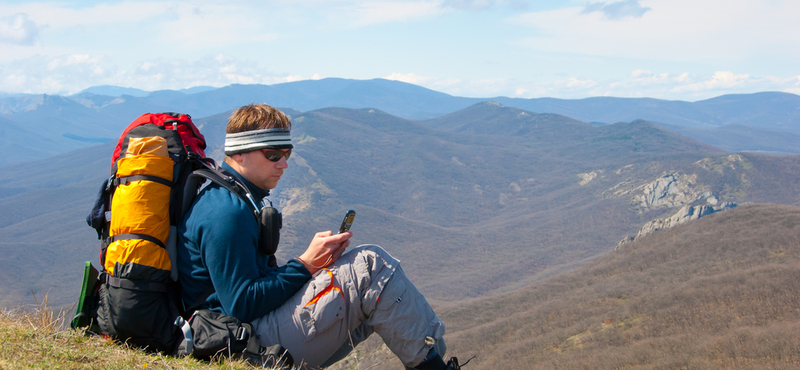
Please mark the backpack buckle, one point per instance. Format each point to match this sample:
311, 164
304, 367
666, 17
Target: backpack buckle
241, 334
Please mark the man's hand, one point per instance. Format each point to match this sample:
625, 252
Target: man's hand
324, 250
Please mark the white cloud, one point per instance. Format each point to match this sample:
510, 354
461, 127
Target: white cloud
661, 85
192, 24
481, 4
594, 47
458, 87
366, 13
720, 79
574, 82
617, 10
449, 85
684, 77
795, 86
409, 78
651, 78
355, 14
18, 29
57, 15
640, 83
51, 75
374, 12
677, 30
68, 74
210, 25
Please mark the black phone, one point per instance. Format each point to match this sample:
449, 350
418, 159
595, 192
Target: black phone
347, 222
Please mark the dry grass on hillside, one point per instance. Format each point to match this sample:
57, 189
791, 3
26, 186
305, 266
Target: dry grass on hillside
722, 292
35, 338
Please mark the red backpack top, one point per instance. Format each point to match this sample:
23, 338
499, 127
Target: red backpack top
192, 139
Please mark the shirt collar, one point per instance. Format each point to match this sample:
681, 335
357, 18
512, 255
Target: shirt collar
257, 192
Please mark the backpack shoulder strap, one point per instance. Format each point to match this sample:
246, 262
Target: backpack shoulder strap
218, 176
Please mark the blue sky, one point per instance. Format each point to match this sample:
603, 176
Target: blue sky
668, 49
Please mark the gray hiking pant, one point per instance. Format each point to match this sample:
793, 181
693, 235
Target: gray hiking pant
365, 291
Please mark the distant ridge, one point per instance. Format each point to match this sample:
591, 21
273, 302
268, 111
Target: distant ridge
65, 121
775, 110
495, 119
109, 90
739, 138
714, 293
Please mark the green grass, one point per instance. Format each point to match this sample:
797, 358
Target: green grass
36, 338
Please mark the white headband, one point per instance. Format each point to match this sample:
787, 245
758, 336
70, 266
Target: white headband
270, 138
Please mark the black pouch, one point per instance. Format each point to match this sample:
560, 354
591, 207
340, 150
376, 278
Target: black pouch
214, 333
97, 217
132, 312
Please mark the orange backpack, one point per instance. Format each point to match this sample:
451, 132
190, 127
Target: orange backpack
135, 216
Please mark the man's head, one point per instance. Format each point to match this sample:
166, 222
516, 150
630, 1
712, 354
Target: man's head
255, 137
256, 117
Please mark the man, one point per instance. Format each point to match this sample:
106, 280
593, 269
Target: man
319, 304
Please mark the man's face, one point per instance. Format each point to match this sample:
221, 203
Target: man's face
262, 172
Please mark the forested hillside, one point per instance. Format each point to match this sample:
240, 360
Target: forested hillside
718, 293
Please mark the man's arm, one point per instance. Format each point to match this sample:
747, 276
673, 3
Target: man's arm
245, 286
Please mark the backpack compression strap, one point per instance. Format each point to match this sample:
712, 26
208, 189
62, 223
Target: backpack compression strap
140, 285
135, 236
124, 180
117, 181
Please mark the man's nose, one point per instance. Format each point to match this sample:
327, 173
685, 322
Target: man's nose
282, 163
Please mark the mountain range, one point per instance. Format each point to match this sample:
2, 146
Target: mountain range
39, 126
509, 220
513, 195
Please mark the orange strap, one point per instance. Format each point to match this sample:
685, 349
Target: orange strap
327, 290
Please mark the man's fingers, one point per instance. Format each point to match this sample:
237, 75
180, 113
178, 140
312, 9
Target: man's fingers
339, 238
341, 248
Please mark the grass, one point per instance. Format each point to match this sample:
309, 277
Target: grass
36, 337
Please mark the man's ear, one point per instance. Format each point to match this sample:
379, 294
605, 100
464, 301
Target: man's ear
238, 158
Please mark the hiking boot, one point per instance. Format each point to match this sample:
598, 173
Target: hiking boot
452, 364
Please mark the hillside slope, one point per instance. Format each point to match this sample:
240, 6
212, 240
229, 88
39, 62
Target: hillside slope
717, 293
513, 205
737, 138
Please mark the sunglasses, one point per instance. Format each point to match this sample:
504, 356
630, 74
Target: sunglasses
275, 155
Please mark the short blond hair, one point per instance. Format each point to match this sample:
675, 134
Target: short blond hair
257, 117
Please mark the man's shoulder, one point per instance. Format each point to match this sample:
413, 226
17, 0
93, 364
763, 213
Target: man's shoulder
217, 202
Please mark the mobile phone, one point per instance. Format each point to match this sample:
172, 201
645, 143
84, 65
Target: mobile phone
347, 222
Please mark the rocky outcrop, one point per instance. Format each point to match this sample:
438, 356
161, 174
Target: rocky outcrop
587, 177
669, 191
685, 214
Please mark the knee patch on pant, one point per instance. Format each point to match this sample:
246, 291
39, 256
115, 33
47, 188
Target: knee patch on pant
374, 268
406, 322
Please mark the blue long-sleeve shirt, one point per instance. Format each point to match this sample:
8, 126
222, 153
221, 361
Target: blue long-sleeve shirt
218, 245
